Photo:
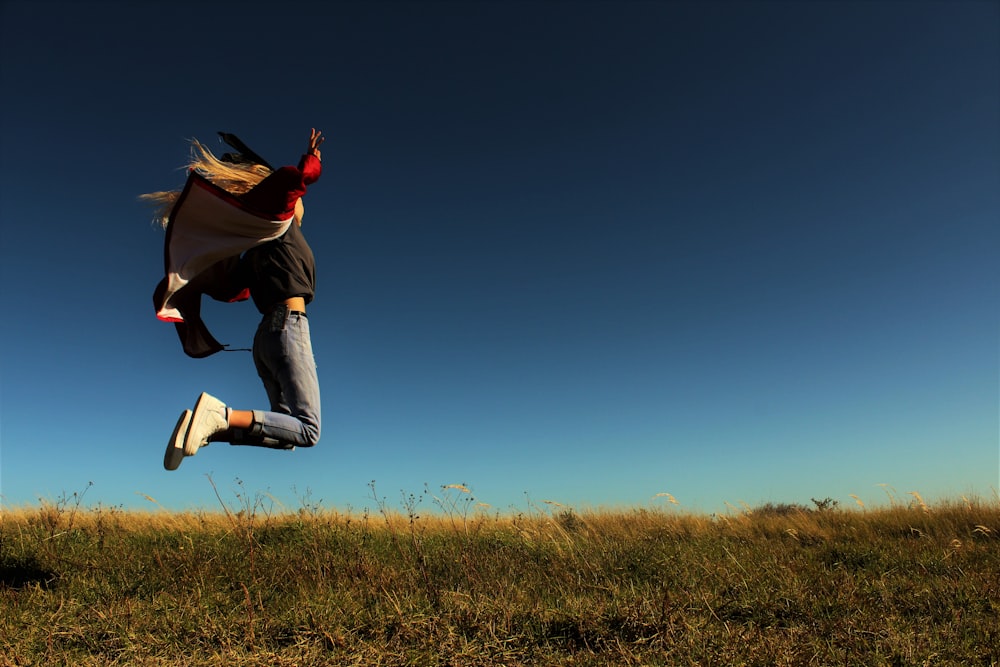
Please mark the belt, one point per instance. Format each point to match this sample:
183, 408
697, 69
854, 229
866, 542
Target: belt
279, 306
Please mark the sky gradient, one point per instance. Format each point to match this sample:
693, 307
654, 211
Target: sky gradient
586, 252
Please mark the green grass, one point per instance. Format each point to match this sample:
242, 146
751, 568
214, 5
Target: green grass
900, 585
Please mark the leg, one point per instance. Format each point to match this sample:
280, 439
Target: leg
240, 419
285, 363
286, 366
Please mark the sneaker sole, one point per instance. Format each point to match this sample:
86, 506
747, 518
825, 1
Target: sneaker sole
175, 447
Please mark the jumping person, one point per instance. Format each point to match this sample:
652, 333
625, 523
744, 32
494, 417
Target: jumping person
238, 206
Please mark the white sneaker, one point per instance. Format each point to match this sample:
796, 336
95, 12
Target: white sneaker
208, 419
175, 446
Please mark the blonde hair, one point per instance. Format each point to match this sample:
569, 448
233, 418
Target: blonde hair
234, 178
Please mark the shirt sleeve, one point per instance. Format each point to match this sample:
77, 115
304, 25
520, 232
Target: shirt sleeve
311, 168
276, 195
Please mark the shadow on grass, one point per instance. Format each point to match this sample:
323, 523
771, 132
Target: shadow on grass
19, 573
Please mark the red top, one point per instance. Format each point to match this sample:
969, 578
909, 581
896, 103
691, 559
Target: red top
275, 196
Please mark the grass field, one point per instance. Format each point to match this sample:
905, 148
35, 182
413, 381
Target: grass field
446, 582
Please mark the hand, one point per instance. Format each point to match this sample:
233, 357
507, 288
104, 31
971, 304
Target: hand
315, 140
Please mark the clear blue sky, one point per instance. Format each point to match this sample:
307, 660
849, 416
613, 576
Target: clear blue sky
570, 251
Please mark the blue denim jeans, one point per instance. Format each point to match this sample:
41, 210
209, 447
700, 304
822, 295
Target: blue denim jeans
284, 358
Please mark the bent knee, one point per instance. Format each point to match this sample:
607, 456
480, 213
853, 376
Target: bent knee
310, 433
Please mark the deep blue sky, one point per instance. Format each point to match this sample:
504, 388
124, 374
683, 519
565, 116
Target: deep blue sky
576, 251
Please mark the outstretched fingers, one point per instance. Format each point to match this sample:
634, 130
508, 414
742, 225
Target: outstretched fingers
316, 139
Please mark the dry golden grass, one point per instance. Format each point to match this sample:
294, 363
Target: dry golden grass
910, 583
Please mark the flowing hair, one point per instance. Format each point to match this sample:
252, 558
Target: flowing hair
234, 178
